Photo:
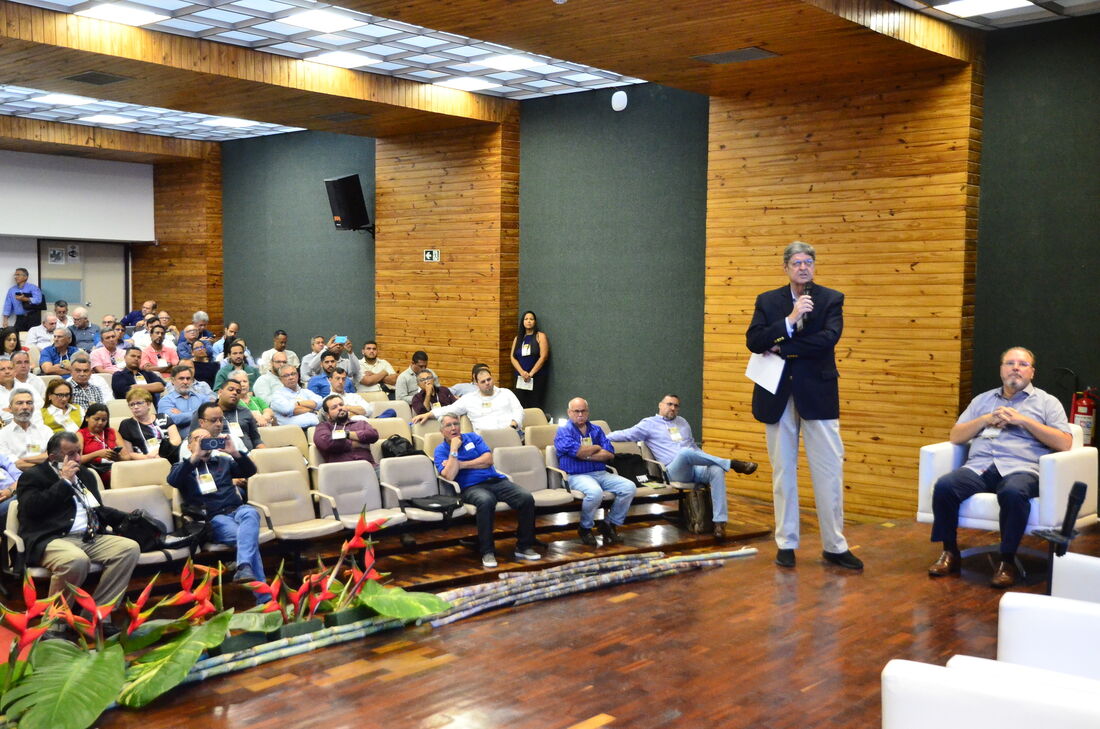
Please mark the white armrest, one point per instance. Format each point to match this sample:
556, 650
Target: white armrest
453, 484
15, 540
1077, 577
263, 510
1057, 472
396, 494
1038, 677
1049, 632
331, 502
920, 695
936, 460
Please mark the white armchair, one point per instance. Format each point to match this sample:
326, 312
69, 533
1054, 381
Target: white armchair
1076, 576
1055, 633
1057, 473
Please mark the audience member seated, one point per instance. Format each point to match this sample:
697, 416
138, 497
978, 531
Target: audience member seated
205, 370
143, 337
311, 364
87, 387
9, 342
357, 407
108, 322
136, 317
236, 362
465, 388
62, 524
165, 320
9, 477
201, 320
464, 458
316, 348
61, 311
219, 350
236, 420
158, 357
278, 346
41, 336
8, 386
430, 395
24, 440
269, 382
375, 371
56, 358
23, 375
125, 341
180, 404
294, 404
406, 387
85, 335
146, 435
319, 382
110, 357
339, 438
132, 376
584, 453
205, 481
184, 343
261, 411
489, 408
60, 413
100, 442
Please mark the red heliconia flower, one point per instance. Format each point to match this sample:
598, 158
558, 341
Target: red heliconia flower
187, 576
297, 595
17, 621
27, 639
212, 571
361, 528
272, 606
199, 611
134, 609
35, 607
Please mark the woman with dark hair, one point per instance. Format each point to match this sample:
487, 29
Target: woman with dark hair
9, 342
530, 353
100, 442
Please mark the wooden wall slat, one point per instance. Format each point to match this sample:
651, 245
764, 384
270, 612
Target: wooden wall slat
878, 176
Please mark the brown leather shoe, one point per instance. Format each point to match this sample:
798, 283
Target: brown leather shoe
949, 563
719, 530
1005, 576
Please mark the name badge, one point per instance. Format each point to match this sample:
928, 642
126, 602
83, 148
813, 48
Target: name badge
469, 446
33, 448
435, 405
139, 379
339, 434
152, 445
235, 429
990, 432
206, 483
525, 350
674, 434
586, 441
162, 362
90, 499
486, 403
64, 363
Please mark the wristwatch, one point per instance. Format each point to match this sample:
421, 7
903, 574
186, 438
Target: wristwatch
454, 454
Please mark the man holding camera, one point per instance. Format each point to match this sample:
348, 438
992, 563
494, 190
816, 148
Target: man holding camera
205, 483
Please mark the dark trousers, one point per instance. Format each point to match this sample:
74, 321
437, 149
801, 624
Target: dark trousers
1014, 494
23, 322
484, 498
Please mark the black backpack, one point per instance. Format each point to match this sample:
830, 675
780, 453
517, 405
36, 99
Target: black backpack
140, 526
398, 445
631, 466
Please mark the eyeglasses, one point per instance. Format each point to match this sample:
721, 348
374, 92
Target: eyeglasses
807, 263
61, 394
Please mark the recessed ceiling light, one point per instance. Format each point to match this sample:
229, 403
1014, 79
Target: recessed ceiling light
323, 21
227, 121
107, 119
61, 100
125, 14
467, 83
970, 8
506, 62
343, 59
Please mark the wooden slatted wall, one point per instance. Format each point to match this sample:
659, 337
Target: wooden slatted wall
881, 175
183, 272
456, 191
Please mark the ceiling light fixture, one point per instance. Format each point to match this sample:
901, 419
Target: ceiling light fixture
119, 13
970, 8
322, 21
506, 62
343, 59
227, 121
467, 83
61, 100
107, 119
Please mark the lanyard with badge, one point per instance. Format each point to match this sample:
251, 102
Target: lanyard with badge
235, 425
206, 481
525, 348
674, 434
152, 443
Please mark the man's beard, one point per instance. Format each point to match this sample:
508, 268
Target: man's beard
22, 418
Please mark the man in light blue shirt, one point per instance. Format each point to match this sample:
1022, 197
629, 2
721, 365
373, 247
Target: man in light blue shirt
22, 302
668, 436
180, 403
1008, 429
294, 404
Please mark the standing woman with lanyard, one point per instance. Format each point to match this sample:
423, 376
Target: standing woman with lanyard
147, 435
530, 353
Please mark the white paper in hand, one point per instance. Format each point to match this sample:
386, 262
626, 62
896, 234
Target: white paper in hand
766, 370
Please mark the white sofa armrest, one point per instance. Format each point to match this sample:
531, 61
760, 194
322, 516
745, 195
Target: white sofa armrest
1049, 632
1057, 473
936, 460
1077, 577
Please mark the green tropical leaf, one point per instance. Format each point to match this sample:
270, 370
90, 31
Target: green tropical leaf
69, 688
162, 668
148, 633
254, 621
393, 602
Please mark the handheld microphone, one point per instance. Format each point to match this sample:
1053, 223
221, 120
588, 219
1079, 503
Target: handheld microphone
807, 290
1073, 506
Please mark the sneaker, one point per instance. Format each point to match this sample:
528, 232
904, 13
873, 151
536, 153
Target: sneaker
244, 574
844, 559
488, 561
528, 554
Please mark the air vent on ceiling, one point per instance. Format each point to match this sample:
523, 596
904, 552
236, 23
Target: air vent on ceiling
752, 53
97, 78
342, 117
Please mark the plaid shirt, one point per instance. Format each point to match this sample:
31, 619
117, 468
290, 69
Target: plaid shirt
85, 396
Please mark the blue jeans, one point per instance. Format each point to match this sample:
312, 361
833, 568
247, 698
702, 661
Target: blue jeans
592, 485
695, 466
241, 528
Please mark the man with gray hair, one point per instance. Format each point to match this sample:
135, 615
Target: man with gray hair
801, 322
85, 334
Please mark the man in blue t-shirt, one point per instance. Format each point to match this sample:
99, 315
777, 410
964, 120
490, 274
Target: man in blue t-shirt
464, 458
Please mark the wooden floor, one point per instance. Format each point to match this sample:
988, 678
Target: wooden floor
745, 645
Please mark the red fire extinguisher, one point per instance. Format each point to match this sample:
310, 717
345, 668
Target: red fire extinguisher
1083, 411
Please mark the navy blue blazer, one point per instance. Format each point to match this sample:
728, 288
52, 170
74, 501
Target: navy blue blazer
810, 373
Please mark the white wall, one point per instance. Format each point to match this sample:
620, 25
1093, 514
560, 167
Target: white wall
46, 196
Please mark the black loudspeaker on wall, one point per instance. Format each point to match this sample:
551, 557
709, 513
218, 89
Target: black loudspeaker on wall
345, 198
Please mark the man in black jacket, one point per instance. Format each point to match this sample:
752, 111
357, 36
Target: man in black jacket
801, 322
62, 519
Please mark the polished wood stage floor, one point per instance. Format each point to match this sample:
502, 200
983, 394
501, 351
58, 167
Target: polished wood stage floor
745, 645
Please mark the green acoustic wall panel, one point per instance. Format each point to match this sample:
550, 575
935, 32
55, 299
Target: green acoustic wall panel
612, 244
1039, 220
286, 266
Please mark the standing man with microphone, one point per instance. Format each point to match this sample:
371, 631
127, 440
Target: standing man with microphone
801, 323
